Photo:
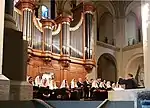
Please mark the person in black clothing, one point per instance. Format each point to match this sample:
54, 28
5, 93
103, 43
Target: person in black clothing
86, 85
98, 82
121, 81
130, 82
46, 93
91, 90
80, 87
80, 83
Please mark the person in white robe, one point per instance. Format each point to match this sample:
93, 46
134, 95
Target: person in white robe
45, 80
74, 84
52, 85
94, 84
115, 87
64, 84
45, 83
94, 87
38, 80
30, 80
108, 85
102, 85
27, 78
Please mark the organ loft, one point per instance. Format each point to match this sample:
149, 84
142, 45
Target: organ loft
63, 46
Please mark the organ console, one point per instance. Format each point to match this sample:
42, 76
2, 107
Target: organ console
64, 41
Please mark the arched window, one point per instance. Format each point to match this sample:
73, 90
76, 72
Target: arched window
44, 12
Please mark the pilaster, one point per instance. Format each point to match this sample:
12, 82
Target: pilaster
15, 56
4, 81
145, 10
9, 21
119, 33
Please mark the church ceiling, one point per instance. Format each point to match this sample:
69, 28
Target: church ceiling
120, 7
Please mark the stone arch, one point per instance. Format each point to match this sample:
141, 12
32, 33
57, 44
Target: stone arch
102, 7
106, 5
133, 58
105, 13
106, 67
45, 11
131, 6
134, 7
135, 66
132, 13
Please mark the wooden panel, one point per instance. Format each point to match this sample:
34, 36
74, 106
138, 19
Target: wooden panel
37, 65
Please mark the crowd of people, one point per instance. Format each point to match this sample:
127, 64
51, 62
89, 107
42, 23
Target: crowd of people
45, 87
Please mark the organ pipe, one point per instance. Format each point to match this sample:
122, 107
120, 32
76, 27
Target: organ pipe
88, 28
76, 41
65, 35
65, 38
27, 26
37, 38
27, 19
47, 34
17, 17
66, 43
88, 16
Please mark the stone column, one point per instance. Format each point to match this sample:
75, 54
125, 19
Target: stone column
145, 10
4, 82
15, 57
9, 7
120, 35
9, 21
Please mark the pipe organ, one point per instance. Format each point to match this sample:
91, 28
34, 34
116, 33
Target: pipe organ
64, 45
47, 34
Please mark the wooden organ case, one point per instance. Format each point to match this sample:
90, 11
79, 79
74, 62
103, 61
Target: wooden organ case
64, 46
